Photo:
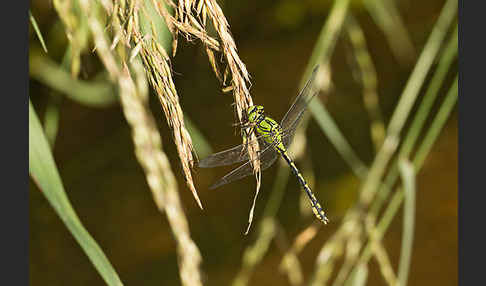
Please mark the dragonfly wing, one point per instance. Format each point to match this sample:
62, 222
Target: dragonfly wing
267, 158
295, 112
234, 155
287, 137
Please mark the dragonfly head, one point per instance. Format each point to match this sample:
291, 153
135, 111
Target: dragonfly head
254, 112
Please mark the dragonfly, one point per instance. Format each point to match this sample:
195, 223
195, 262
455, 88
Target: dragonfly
274, 139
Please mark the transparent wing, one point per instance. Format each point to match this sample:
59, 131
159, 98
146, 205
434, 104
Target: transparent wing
289, 124
288, 137
267, 158
230, 156
295, 112
238, 154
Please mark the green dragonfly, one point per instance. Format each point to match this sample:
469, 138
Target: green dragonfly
273, 139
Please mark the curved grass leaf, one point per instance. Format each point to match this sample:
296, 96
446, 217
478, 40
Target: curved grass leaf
44, 172
37, 31
95, 94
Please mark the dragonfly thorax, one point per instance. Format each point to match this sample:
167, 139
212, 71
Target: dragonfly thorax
266, 126
255, 113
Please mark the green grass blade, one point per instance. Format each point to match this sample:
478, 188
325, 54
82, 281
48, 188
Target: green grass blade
360, 276
51, 120
44, 172
448, 56
368, 79
386, 16
94, 94
327, 38
152, 23
407, 100
408, 177
424, 63
422, 152
37, 31
450, 53
321, 55
437, 124
201, 144
266, 230
330, 129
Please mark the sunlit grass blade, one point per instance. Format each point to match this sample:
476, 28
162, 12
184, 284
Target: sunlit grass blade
321, 55
330, 129
407, 100
360, 276
44, 172
94, 94
437, 124
437, 81
266, 230
387, 17
424, 63
327, 38
255, 252
408, 177
424, 149
368, 79
450, 53
37, 31
290, 264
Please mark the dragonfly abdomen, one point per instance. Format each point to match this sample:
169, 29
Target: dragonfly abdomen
316, 207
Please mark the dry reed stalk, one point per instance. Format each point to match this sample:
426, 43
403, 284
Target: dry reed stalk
148, 147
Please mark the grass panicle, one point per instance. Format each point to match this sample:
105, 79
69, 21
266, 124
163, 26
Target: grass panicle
147, 143
156, 61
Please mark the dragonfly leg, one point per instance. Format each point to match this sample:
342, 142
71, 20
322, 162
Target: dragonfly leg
247, 135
